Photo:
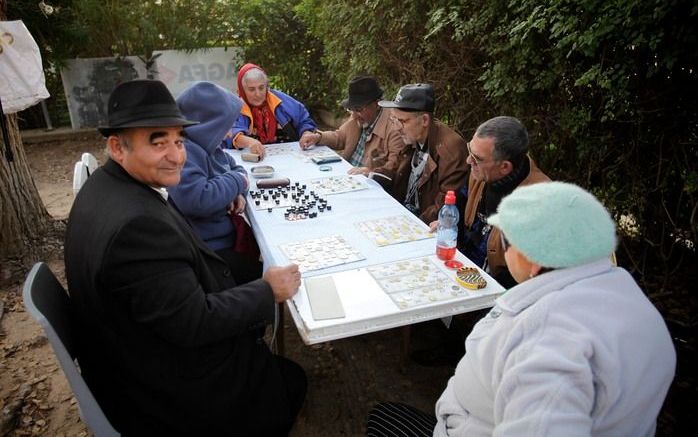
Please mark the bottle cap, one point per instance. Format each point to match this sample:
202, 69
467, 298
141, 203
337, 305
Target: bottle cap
450, 198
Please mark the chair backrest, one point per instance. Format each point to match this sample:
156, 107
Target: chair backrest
90, 161
47, 301
80, 175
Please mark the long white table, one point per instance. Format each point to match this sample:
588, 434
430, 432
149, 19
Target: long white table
367, 307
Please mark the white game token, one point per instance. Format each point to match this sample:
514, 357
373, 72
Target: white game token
320, 253
415, 282
394, 230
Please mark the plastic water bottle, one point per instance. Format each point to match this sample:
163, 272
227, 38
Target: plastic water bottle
447, 231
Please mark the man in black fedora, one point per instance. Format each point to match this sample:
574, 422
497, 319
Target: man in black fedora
434, 159
367, 139
168, 343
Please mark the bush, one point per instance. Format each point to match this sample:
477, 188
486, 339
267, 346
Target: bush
268, 31
607, 90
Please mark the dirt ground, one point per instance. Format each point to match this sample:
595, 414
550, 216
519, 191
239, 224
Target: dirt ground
346, 377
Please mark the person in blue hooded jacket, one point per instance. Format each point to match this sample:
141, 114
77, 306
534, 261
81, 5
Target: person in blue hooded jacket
212, 185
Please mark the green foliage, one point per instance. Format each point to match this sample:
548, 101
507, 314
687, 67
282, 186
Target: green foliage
268, 31
51, 29
274, 38
97, 28
607, 88
389, 39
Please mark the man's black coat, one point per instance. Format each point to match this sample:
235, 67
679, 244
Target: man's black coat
168, 343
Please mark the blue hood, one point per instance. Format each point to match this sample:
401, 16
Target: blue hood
214, 107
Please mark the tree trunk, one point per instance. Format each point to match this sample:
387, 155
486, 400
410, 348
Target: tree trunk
23, 218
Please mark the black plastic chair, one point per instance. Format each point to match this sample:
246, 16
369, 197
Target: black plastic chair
47, 301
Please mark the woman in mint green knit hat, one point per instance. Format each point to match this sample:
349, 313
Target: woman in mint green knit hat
575, 348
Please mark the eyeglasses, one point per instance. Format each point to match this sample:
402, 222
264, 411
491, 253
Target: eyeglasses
476, 159
505, 242
399, 121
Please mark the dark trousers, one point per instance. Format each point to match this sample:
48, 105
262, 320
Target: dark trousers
389, 419
272, 412
244, 268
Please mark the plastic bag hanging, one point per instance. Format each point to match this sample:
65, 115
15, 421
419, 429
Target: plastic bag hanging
22, 82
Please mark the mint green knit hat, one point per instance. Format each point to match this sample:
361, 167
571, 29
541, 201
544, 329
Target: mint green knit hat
556, 224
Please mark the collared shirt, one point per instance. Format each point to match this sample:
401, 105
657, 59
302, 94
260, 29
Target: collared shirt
357, 158
162, 192
419, 161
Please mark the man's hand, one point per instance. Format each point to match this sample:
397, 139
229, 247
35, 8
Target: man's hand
433, 225
284, 281
359, 170
238, 205
309, 139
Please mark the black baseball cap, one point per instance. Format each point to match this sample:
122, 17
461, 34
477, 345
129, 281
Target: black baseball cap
412, 97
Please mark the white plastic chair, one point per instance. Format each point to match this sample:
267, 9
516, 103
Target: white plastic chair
90, 161
80, 175
47, 301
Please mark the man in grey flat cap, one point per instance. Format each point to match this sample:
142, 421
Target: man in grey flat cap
434, 159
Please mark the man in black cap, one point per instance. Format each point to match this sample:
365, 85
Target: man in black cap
368, 140
168, 343
434, 160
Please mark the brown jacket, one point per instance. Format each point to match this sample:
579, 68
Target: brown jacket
495, 254
382, 146
445, 170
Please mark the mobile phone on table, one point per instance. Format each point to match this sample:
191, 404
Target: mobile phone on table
326, 159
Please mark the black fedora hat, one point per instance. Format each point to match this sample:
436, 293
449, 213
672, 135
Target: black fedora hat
362, 90
142, 103
412, 97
